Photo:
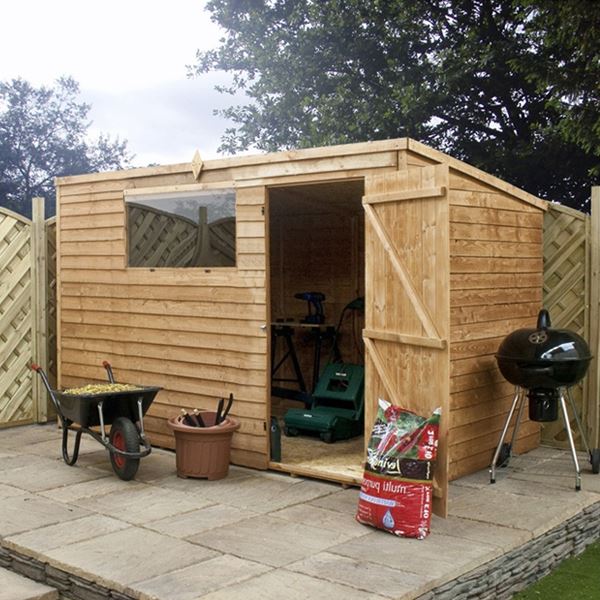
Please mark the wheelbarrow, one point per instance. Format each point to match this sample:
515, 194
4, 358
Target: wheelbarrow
123, 410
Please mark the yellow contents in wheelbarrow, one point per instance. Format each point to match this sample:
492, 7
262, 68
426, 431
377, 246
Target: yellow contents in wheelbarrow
100, 388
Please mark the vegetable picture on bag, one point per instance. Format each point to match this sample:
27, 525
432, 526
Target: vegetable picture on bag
396, 492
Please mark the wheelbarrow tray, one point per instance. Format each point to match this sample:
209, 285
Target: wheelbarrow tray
83, 408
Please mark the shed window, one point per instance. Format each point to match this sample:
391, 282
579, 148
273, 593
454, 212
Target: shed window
181, 229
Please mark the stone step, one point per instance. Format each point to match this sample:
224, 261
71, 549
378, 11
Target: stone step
16, 587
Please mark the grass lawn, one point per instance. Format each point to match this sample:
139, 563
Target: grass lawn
577, 578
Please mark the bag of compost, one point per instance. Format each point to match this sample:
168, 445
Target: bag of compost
396, 491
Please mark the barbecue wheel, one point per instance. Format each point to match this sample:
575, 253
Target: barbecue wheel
124, 436
595, 460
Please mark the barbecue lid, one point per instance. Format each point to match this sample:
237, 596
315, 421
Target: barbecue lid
543, 344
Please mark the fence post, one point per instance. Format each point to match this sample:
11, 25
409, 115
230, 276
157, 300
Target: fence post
594, 388
39, 306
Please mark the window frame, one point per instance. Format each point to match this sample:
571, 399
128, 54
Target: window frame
132, 194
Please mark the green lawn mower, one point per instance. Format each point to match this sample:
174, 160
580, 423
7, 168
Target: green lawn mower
337, 409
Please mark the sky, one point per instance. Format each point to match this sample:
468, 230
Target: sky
130, 58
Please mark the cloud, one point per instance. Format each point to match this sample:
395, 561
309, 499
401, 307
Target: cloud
165, 122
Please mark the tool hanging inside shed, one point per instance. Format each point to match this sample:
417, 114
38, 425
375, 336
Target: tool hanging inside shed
314, 300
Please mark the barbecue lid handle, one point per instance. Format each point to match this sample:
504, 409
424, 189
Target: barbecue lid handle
543, 321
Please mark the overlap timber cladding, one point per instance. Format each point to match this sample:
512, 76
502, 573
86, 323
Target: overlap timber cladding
566, 240
15, 320
496, 287
194, 332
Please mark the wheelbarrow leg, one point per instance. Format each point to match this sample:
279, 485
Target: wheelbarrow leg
70, 460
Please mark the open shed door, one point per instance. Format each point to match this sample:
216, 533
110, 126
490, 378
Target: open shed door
407, 308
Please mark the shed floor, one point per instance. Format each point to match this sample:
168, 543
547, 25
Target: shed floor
257, 535
341, 461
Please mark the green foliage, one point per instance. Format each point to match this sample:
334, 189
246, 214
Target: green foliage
43, 135
488, 81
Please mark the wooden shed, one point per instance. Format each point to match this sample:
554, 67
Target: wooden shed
178, 274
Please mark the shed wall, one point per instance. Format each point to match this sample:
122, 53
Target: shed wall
496, 268
197, 333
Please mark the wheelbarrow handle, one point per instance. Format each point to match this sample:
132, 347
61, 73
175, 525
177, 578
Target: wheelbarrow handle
35, 367
109, 371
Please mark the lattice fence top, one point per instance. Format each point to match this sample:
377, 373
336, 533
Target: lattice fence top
161, 239
51, 302
565, 264
15, 318
566, 281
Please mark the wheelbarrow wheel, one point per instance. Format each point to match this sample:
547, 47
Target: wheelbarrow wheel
124, 436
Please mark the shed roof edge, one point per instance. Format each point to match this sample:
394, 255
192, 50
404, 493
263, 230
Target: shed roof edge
308, 154
472, 171
242, 161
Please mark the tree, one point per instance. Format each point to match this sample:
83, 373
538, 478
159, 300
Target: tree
470, 77
568, 37
43, 134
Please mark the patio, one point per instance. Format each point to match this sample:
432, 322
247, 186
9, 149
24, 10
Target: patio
261, 534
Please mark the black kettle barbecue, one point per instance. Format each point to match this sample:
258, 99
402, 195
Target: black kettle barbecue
543, 363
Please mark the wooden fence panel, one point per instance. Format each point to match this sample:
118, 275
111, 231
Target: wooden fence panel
27, 313
593, 379
16, 328
51, 303
567, 296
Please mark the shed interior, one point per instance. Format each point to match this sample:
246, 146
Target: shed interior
316, 237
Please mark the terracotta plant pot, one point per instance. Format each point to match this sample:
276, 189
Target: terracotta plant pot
203, 452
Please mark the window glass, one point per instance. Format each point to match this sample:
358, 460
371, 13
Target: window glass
181, 229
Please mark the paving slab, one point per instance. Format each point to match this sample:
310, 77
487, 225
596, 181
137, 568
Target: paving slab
552, 484
438, 557
536, 514
192, 525
20, 437
345, 501
28, 511
52, 448
315, 516
118, 559
290, 585
198, 487
6, 491
45, 474
140, 504
269, 540
16, 587
259, 534
506, 538
199, 579
37, 542
14, 460
264, 495
105, 484
363, 575
157, 466
559, 480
